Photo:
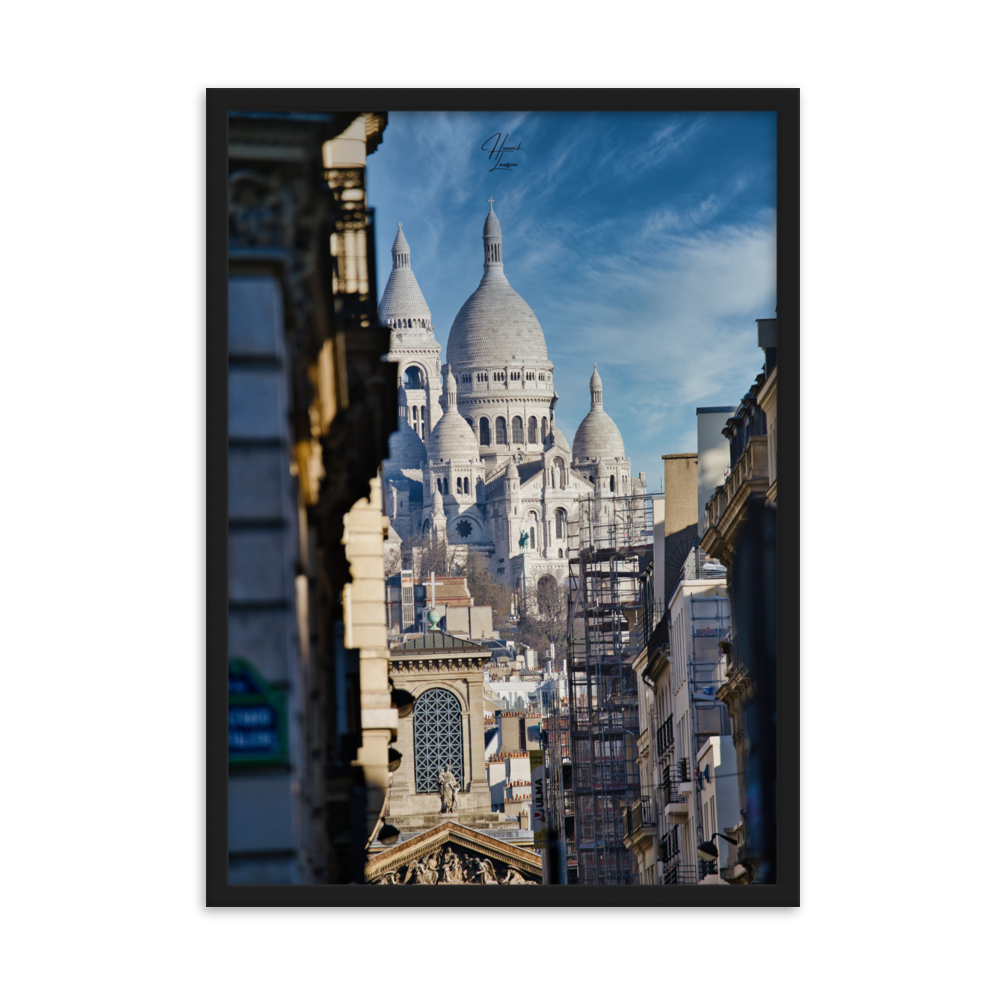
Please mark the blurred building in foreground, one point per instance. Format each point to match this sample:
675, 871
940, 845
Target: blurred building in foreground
311, 407
741, 531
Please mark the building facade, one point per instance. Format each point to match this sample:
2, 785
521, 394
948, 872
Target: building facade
480, 462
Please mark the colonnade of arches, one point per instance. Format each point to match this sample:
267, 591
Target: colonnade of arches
497, 431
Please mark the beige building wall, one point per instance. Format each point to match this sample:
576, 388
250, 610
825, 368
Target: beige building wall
680, 491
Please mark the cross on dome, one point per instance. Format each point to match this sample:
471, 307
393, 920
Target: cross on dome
490, 200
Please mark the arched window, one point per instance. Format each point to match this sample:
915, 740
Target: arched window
531, 530
414, 378
560, 523
484, 430
416, 424
439, 485
560, 554
437, 739
517, 430
445, 481
612, 484
559, 467
532, 430
423, 422
501, 430
545, 430
466, 484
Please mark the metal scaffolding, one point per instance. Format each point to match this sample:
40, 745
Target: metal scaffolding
610, 546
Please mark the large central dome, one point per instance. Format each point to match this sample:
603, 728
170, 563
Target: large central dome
495, 324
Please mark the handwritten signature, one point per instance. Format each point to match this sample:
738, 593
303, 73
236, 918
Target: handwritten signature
498, 150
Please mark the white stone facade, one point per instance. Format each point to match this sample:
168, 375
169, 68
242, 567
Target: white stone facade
507, 469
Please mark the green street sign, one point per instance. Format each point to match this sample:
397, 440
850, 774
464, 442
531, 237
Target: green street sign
258, 718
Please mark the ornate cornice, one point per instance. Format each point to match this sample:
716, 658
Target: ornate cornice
736, 690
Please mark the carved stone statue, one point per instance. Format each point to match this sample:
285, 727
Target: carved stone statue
484, 871
448, 784
452, 869
514, 877
427, 871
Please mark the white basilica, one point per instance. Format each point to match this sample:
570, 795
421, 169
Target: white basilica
478, 458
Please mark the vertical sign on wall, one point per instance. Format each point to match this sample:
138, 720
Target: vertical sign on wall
536, 760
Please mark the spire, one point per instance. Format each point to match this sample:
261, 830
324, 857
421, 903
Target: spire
596, 390
450, 390
492, 248
400, 250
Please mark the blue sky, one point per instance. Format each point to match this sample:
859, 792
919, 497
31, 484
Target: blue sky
643, 241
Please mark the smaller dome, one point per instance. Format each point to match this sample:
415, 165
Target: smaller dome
602, 468
512, 471
452, 440
491, 227
406, 450
437, 503
597, 437
595, 380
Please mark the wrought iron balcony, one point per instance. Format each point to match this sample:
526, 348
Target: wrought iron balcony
638, 815
665, 736
681, 875
673, 776
680, 770
670, 845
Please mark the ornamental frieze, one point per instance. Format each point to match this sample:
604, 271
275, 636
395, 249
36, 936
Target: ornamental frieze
455, 865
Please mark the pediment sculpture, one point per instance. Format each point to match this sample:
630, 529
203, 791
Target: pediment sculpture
452, 865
